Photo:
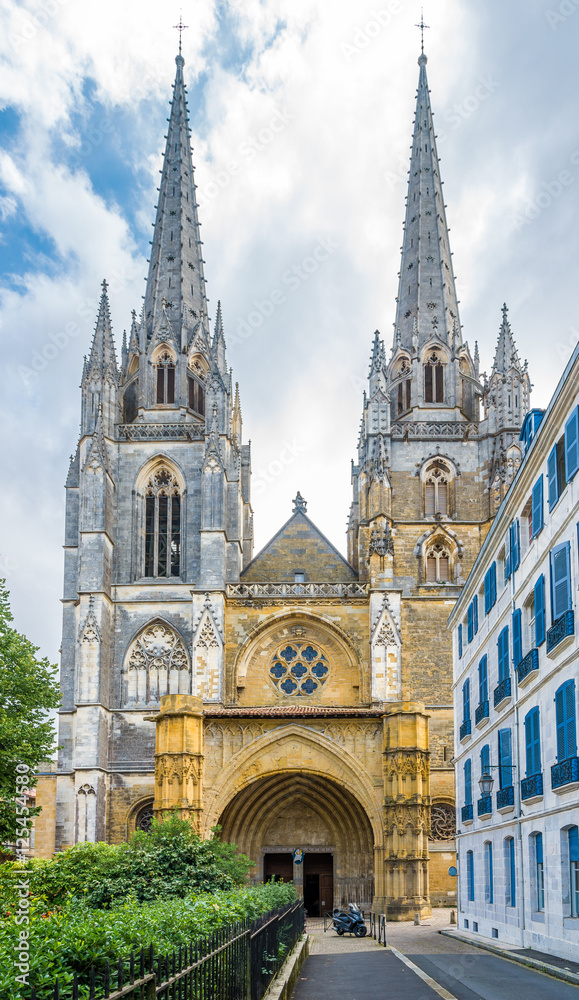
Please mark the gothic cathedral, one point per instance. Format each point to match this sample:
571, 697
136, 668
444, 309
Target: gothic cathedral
296, 698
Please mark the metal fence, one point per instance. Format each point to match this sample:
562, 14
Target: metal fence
234, 963
378, 927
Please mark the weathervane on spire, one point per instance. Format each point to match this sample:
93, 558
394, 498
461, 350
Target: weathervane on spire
180, 28
422, 26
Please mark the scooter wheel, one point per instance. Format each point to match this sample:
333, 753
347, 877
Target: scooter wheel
360, 931
340, 931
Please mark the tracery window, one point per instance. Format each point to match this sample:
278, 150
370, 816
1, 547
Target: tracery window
145, 818
299, 668
162, 525
157, 664
434, 380
403, 396
436, 492
438, 563
442, 821
196, 378
165, 366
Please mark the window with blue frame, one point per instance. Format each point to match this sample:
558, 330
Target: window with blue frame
537, 508
505, 758
490, 587
556, 478
466, 701
533, 742
503, 653
540, 627
485, 759
560, 580
572, 445
539, 872
511, 872
513, 548
488, 857
472, 619
460, 640
517, 636
468, 782
566, 721
573, 841
470, 875
483, 680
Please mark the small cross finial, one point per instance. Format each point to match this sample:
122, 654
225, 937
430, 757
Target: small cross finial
422, 26
180, 28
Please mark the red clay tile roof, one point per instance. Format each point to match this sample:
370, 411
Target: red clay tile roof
291, 711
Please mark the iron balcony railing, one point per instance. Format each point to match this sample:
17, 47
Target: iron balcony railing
529, 663
485, 806
505, 797
502, 691
466, 813
481, 712
465, 729
561, 629
532, 787
565, 773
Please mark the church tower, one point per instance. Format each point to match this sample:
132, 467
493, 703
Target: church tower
158, 519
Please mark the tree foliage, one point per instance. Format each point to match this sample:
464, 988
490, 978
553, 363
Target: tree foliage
28, 689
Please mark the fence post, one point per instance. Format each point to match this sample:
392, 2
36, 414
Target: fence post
151, 989
248, 963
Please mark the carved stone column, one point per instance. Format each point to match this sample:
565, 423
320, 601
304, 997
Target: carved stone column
179, 758
406, 811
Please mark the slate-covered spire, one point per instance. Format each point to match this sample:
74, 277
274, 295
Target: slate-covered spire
176, 263
506, 354
427, 303
102, 358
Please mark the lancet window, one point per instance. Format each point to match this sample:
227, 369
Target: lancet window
196, 386
165, 368
438, 563
436, 493
434, 380
130, 401
162, 525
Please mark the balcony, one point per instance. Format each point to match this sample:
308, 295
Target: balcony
485, 807
506, 799
565, 775
481, 715
527, 667
502, 693
561, 633
532, 789
467, 815
464, 731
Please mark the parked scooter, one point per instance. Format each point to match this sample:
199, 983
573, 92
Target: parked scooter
350, 921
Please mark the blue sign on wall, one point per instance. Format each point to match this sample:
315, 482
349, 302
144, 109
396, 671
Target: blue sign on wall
298, 856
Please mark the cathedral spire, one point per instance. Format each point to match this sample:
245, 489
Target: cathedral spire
506, 354
218, 345
176, 264
427, 304
102, 356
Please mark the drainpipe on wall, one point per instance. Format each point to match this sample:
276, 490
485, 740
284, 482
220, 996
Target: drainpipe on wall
518, 783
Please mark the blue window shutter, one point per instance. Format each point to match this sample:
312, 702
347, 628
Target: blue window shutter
516, 548
533, 742
508, 555
503, 653
513, 878
560, 579
539, 848
475, 613
468, 782
487, 591
574, 843
466, 700
493, 583
460, 640
483, 687
469, 623
565, 718
553, 488
517, 637
537, 507
572, 445
540, 610
505, 770
485, 759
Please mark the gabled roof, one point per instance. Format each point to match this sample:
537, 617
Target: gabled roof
299, 546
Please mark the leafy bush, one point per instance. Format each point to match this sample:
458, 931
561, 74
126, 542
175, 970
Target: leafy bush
167, 862
75, 936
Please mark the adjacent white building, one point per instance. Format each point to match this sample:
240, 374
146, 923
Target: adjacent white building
516, 687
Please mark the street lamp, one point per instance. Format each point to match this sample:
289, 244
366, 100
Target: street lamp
486, 782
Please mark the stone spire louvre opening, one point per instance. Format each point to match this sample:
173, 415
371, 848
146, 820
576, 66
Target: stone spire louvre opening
427, 303
175, 278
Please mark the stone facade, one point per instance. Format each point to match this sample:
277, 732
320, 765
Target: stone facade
297, 698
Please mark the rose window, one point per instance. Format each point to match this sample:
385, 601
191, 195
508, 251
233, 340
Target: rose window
442, 821
299, 669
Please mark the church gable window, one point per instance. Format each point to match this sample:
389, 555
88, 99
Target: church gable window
165, 379
162, 525
434, 379
436, 493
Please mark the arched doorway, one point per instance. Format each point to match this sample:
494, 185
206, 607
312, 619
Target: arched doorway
271, 817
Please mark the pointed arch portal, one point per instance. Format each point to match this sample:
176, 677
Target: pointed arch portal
278, 813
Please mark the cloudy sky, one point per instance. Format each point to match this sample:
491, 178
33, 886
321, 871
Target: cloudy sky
301, 113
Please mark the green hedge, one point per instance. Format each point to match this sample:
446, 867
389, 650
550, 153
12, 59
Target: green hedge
76, 936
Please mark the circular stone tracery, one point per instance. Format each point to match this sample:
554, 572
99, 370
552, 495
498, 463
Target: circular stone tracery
299, 669
442, 821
